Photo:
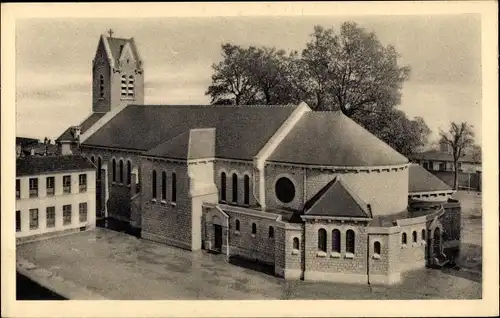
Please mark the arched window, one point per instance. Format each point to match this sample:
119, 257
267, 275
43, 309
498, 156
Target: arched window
237, 225
295, 243
336, 241
271, 232
223, 186
129, 172
235, 188
414, 236
350, 241
130, 86
403, 238
164, 185
121, 171
246, 188
174, 187
99, 167
423, 235
254, 228
92, 159
376, 247
124, 86
101, 86
153, 184
322, 240
114, 170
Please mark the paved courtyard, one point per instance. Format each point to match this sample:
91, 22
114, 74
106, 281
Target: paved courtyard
114, 265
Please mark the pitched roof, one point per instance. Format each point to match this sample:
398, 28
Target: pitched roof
116, 46
438, 155
241, 130
336, 200
421, 180
84, 126
23, 141
41, 165
333, 139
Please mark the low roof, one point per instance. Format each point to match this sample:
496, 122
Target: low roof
241, 130
67, 135
23, 141
438, 155
333, 139
421, 180
336, 200
42, 165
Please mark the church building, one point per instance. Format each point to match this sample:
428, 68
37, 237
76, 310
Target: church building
312, 193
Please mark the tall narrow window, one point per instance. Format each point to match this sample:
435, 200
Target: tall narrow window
124, 86
322, 240
174, 187
164, 185
237, 224
66, 184
235, 188
153, 184
92, 159
101, 86
121, 171
82, 212
33, 187
223, 187
130, 86
254, 228
295, 243
18, 189
18, 221
114, 170
350, 241
246, 188
414, 236
82, 182
51, 216
336, 241
403, 238
66, 214
129, 172
376, 248
271, 232
99, 167
33, 219
423, 235
50, 186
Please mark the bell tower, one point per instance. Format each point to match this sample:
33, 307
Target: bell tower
117, 74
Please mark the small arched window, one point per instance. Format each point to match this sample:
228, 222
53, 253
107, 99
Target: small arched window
350, 241
295, 243
237, 225
322, 240
101, 86
235, 188
403, 238
336, 241
164, 185
121, 171
414, 236
129, 172
124, 86
254, 228
174, 187
130, 86
246, 188
92, 159
271, 232
114, 170
153, 184
376, 247
223, 186
423, 235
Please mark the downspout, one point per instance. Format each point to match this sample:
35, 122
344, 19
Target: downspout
368, 260
227, 239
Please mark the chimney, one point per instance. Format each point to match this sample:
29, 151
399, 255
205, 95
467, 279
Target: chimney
32, 151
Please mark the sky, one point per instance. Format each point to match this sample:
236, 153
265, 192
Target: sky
54, 58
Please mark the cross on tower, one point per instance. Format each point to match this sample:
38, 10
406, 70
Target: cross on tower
110, 31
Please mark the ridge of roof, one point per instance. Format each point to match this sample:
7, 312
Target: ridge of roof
34, 165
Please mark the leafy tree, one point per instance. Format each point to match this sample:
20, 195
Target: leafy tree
460, 137
476, 153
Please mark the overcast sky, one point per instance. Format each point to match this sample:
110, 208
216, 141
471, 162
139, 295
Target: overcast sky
54, 56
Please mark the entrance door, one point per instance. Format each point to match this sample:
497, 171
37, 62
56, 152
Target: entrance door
437, 242
218, 237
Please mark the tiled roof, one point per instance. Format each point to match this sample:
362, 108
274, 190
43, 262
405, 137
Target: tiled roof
336, 200
421, 180
85, 125
241, 130
41, 165
437, 155
333, 139
116, 46
23, 141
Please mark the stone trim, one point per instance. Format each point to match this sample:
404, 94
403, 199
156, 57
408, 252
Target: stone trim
336, 277
389, 279
354, 169
165, 240
48, 235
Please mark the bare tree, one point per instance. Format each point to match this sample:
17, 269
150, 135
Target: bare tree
460, 137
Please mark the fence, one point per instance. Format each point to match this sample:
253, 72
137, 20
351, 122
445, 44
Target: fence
466, 180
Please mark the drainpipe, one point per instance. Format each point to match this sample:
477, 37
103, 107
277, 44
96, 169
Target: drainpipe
368, 260
227, 239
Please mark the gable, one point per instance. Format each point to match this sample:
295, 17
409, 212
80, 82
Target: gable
127, 54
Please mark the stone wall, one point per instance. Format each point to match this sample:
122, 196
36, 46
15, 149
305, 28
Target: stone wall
241, 169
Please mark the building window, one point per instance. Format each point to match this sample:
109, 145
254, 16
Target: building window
121, 171
66, 184
223, 187
322, 240
153, 184
114, 170
82, 182
423, 235
246, 189
129, 172
99, 168
271, 232
174, 187
376, 248
18, 221
82, 211
92, 159
426, 165
66, 214
50, 186
403, 238
33, 187
18, 189
254, 228
237, 224
164, 185
295, 243
442, 166
336, 241
350, 241
101, 86
285, 190
33, 219
50, 212
414, 236
124, 86
235, 188
130, 86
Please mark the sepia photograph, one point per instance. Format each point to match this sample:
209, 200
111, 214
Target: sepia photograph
281, 156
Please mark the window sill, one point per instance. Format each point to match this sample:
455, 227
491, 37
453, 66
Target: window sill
236, 232
349, 255
321, 254
153, 200
253, 235
404, 246
335, 255
423, 243
121, 184
295, 252
173, 204
376, 256
415, 244
128, 185
163, 202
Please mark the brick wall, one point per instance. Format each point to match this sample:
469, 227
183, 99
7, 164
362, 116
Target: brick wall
241, 169
280, 250
411, 255
294, 260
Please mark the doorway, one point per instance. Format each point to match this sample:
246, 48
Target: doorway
436, 247
218, 237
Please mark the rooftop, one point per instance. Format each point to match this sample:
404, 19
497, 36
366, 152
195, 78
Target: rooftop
421, 180
50, 164
438, 155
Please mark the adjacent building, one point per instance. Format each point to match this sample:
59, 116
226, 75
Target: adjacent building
55, 195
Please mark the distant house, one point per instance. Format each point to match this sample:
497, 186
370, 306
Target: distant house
33, 147
55, 195
23, 144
